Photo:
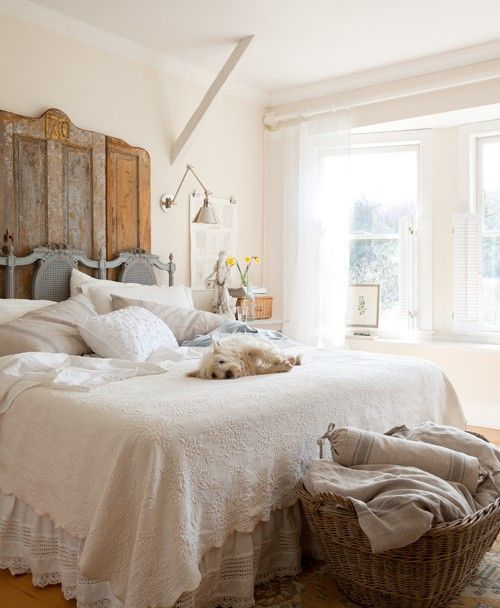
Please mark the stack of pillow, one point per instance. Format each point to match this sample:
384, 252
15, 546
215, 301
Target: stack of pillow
119, 320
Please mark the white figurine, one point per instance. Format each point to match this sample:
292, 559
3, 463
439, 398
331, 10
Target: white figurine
223, 303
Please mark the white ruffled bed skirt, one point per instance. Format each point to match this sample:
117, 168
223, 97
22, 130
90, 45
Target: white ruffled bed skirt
31, 543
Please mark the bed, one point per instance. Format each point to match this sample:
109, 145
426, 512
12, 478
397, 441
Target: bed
164, 490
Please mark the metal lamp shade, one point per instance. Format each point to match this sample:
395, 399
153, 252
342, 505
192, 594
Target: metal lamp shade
206, 215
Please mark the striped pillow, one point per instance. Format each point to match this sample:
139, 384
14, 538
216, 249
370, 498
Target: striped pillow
52, 329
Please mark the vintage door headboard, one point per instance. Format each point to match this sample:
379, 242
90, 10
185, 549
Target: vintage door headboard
62, 184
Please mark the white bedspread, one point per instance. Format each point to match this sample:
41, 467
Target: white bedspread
154, 471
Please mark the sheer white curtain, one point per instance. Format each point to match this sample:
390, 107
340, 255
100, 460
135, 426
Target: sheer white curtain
316, 211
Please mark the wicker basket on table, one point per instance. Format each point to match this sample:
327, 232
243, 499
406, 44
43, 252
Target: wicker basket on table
263, 306
426, 574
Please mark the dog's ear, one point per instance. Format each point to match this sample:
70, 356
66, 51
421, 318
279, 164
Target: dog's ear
215, 345
193, 374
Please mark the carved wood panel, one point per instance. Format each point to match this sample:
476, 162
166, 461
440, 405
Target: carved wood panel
62, 184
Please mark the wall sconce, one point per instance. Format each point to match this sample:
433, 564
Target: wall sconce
206, 215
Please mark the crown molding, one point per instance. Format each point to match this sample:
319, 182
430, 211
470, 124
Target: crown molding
97, 37
390, 73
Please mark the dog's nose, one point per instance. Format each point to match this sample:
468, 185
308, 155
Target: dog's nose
229, 373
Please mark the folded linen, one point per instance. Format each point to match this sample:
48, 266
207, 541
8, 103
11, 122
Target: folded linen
352, 446
461, 441
395, 504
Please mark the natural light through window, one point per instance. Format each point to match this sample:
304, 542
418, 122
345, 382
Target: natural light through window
383, 195
490, 203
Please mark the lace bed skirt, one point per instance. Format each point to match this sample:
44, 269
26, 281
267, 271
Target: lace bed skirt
31, 543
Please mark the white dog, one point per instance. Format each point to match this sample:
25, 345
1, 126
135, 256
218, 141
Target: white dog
243, 356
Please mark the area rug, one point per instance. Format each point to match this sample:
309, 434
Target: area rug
315, 588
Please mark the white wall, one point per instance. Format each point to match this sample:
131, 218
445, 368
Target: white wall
105, 92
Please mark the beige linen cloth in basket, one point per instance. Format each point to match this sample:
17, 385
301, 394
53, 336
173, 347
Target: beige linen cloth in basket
352, 446
395, 501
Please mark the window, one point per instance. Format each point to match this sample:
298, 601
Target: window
477, 243
489, 214
384, 196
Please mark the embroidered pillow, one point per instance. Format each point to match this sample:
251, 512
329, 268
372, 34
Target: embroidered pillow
133, 333
185, 323
51, 329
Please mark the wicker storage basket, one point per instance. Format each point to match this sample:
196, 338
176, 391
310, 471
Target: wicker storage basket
425, 574
263, 306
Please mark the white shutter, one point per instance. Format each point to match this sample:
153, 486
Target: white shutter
466, 273
407, 269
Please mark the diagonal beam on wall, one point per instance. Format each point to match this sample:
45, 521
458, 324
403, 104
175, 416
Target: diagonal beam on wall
210, 95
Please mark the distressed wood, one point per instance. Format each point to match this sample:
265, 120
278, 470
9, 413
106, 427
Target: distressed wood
53, 189
210, 95
128, 198
53, 186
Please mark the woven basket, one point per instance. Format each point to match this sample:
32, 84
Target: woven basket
263, 306
425, 574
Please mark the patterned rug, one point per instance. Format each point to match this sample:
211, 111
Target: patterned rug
315, 588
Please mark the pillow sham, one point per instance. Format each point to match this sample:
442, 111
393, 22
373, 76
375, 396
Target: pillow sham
11, 309
132, 333
52, 329
80, 279
178, 295
185, 323
100, 294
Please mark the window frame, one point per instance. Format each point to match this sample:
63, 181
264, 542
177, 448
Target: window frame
421, 287
479, 210
471, 137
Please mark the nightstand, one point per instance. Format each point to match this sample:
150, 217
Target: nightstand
267, 324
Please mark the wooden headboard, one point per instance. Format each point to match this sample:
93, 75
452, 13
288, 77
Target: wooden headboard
62, 184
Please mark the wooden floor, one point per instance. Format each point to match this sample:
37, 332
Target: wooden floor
18, 592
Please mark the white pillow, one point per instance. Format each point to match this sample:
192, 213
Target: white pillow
185, 323
100, 294
51, 329
11, 309
132, 333
79, 280
99, 290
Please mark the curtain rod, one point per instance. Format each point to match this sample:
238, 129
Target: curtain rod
276, 120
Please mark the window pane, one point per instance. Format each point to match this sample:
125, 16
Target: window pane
377, 261
491, 281
491, 258
491, 185
385, 189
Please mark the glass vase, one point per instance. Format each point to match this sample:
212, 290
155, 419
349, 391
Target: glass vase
249, 300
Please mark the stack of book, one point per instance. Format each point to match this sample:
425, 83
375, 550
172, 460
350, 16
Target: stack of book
239, 292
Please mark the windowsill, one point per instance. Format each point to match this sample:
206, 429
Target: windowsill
433, 342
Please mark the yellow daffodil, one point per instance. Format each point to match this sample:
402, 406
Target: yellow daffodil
230, 261
248, 259
257, 259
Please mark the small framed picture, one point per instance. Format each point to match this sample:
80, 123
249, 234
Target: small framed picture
363, 305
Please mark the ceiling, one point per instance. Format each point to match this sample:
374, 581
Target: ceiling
297, 43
